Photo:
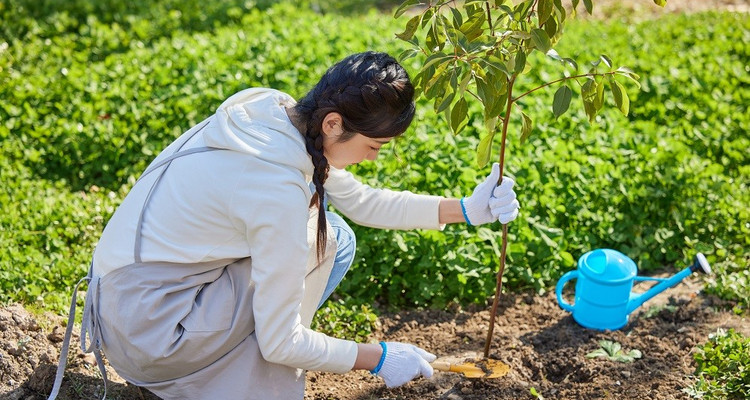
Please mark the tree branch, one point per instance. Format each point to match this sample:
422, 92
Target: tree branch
489, 18
561, 80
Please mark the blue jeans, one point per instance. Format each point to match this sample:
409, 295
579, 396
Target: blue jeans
346, 247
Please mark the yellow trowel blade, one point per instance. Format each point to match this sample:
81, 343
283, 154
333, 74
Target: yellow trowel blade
474, 369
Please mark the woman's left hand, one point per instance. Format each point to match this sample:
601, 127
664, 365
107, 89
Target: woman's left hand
491, 202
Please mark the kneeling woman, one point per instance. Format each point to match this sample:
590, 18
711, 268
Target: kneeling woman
206, 278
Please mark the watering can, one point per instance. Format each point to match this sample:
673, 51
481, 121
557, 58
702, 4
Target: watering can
603, 298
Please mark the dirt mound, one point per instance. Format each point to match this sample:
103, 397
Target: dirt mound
29, 352
24, 350
546, 350
544, 346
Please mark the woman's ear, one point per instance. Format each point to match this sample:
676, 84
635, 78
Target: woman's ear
332, 125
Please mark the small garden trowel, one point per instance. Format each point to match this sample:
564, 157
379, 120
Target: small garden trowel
474, 369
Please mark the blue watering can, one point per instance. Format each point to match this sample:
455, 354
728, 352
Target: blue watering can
603, 298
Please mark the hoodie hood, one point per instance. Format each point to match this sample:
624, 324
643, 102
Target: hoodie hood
254, 121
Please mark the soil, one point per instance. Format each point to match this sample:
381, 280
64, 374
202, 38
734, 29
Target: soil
543, 345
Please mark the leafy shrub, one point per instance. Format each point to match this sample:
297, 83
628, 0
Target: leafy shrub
91, 91
346, 321
723, 367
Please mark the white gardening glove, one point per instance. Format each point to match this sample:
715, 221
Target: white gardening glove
403, 362
491, 202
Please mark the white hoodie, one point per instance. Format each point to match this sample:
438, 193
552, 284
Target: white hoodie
253, 201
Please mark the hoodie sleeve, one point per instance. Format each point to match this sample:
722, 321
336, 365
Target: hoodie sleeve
273, 214
381, 208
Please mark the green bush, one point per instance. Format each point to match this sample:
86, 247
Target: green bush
92, 91
723, 367
346, 321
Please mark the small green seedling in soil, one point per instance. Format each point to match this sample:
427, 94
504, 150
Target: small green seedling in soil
655, 310
535, 393
613, 352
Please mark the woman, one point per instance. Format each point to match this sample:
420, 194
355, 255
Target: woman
206, 278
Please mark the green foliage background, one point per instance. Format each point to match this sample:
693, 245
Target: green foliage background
91, 91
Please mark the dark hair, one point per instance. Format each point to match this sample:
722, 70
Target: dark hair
375, 98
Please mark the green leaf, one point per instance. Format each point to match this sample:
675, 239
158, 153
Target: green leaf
572, 63
431, 39
411, 27
588, 106
606, 60
588, 90
589, 6
599, 99
562, 13
458, 115
621, 96
544, 10
403, 7
623, 71
484, 149
435, 39
445, 102
567, 257
485, 92
520, 62
464, 82
437, 82
427, 16
447, 115
551, 27
611, 347
490, 124
498, 105
597, 353
660, 3
401, 243
541, 40
521, 10
552, 53
434, 59
525, 127
458, 40
472, 28
407, 54
561, 102
498, 65
457, 17
547, 240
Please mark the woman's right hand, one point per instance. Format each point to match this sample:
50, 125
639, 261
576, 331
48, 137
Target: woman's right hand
404, 362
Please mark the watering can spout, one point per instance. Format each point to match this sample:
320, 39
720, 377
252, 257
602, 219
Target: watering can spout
637, 299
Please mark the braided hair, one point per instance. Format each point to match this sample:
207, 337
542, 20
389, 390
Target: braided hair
375, 98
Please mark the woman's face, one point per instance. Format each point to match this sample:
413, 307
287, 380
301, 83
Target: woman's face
341, 154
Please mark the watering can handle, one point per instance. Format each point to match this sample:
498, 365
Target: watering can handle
560, 285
